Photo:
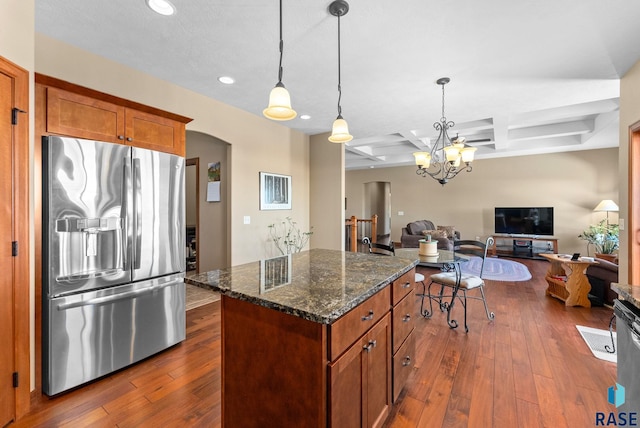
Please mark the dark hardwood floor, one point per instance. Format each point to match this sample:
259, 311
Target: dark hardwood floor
529, 367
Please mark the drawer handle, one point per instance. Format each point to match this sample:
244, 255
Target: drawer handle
368, 317
406, 285
407, 361
406, 318
369, 346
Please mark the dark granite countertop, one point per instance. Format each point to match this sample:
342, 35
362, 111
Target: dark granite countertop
630, 293
318, 285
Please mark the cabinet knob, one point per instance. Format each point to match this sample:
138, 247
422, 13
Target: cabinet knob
129, 139
120, 137
406, 318
368, 317
406, 285
407, 361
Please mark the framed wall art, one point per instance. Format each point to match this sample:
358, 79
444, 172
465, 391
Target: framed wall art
275, 191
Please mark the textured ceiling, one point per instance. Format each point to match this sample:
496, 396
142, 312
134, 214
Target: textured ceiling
530, 76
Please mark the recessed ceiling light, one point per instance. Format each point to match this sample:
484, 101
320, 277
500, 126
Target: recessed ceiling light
226, 80
305, 117
163, 7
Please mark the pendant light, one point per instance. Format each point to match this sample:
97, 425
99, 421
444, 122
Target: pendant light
279, 99
340, 131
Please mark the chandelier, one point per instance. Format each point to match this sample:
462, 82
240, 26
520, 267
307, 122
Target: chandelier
446, 157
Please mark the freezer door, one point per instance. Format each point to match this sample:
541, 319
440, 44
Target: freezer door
85, 230
158, 214
92, 334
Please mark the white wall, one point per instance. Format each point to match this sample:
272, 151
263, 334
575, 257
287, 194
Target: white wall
327, 193
258, 144
573, 183
213, 243
629, 114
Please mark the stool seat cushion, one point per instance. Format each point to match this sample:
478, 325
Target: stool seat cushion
419, 277
449, 278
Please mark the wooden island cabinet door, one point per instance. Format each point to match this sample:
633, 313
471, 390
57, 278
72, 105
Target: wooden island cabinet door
360, 390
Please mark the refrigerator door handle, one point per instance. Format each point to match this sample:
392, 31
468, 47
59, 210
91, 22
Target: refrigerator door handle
126, 207
115, 297
88, 275
137, 206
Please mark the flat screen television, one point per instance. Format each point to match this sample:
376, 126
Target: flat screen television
524, 220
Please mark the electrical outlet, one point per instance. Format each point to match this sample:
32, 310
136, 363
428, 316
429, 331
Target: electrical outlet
621, 223
247, 219
400, 212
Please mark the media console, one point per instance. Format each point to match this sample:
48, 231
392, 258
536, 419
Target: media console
522, 246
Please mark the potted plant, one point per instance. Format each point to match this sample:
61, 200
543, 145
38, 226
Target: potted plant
287, 237
605, 237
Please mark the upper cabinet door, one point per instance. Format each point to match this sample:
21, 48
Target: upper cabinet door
153, 132
80, 116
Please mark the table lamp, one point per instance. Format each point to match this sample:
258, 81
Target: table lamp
607, 205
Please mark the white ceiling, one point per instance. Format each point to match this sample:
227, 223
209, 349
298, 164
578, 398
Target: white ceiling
531, 76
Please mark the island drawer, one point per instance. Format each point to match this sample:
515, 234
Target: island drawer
403, 286
346, 330
403, 362
403, 320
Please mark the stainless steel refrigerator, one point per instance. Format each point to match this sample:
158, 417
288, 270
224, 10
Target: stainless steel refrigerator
113, 258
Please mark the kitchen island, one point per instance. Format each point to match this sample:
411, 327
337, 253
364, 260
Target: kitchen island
630, 293
315, 339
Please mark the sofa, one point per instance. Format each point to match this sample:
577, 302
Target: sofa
600, 277
415, 231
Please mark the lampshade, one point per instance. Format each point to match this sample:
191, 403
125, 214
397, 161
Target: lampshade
423, 159
468, 154
340, 131
279, 104
606, 205
452, 153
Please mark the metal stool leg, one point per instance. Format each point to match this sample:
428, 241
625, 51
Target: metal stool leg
490, 315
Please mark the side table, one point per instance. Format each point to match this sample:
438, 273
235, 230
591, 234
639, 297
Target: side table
574, 290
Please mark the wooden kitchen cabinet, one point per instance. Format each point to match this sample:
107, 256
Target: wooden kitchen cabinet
360, 390
79, 112
149, 131
403, 323
80, 116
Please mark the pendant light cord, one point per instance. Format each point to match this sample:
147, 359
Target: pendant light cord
281, 48
339, 75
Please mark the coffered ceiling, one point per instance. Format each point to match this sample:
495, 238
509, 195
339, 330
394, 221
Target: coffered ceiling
526, 76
